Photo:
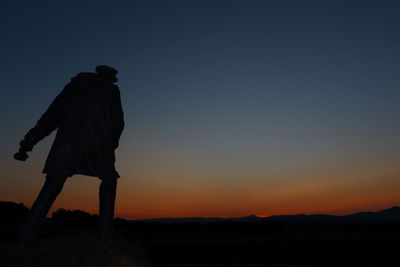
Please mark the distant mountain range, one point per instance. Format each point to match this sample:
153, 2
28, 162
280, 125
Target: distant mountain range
391, 215
17, 211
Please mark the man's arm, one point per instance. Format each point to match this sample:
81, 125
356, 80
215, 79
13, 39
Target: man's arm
47, 123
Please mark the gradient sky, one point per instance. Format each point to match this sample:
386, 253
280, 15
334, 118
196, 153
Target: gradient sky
231, 107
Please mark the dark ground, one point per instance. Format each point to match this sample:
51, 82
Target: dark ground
214, 244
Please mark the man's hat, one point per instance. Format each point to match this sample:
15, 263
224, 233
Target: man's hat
108, 72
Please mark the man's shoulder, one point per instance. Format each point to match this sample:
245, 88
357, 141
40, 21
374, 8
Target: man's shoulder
85, 77
92, 78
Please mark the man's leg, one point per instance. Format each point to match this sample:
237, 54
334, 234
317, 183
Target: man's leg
107, 192
48, 194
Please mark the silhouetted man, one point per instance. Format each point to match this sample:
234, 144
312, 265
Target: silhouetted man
89, 118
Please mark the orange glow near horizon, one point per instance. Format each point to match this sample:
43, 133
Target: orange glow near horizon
263, 215
157, 193
175, 208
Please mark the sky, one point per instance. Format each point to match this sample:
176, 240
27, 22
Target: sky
231, 107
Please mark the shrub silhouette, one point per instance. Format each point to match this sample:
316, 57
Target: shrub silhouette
74, 218
11, 211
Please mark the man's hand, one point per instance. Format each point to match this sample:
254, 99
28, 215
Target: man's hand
21, 155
